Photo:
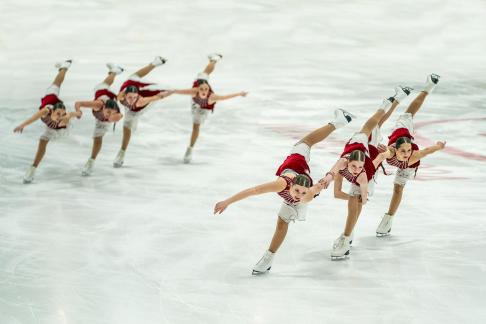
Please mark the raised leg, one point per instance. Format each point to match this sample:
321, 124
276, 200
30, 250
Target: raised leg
210, 67
41, 150
318, 135
417, 103
59, 79
145, 70
279, 235
110, 78
372, 122
388, 113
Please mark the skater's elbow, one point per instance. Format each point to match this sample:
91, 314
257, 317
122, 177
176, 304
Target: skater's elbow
340, 195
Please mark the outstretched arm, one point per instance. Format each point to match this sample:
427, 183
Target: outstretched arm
65, 120
94, 104
312, 192
32, 119
191, 92
386, 153
338, 188
339, 165
418, 155
274, 186
161, 95
214, 97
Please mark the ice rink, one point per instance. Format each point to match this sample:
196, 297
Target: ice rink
140, 244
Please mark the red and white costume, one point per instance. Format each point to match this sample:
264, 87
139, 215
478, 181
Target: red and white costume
296, 163
368, 145
53, 130
403, 128
103, 93
200, 107
132, 112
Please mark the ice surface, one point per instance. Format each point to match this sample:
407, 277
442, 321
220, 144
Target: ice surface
140, 244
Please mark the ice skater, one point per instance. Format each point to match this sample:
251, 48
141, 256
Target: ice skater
203, 101
294, 184
105, 110
136, 95
52, 112
358, 163
404, 154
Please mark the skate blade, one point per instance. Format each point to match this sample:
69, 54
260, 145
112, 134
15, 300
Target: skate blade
257, 273
117, 165
27, 181
382, 234
339, 258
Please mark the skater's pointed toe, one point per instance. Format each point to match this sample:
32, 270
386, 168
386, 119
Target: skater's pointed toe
215, 57
159, 60
342, 118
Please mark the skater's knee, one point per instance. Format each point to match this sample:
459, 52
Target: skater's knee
306, 141
43, 143
397, 189
282, 224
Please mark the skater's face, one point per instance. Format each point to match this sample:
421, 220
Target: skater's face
355, 167
203, 90
404, 152
107, 113
298, 192
131, 97
58, 114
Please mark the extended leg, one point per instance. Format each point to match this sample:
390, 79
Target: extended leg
110, 78
372, 122
210, 67
145, 70
59, 79
417, 103
318, 135
388, 113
